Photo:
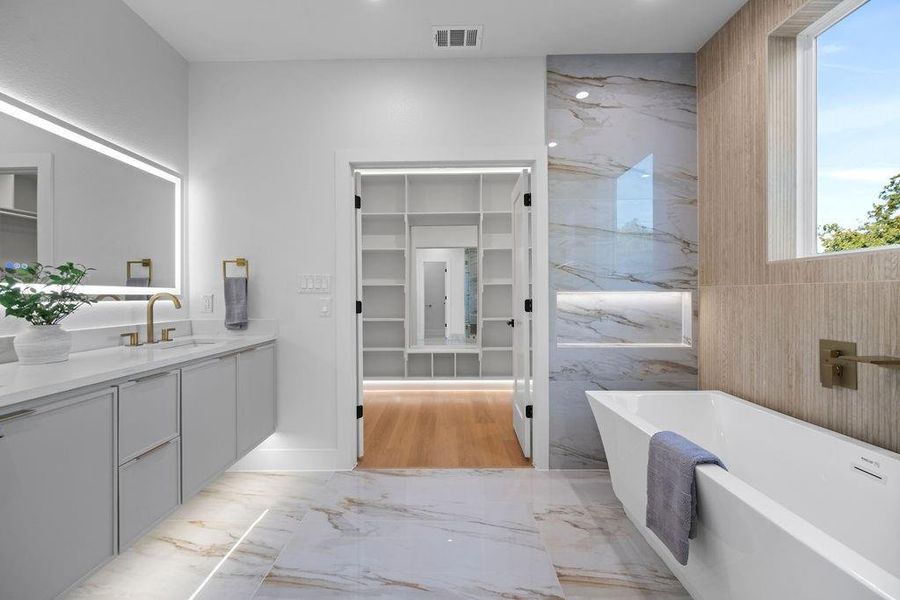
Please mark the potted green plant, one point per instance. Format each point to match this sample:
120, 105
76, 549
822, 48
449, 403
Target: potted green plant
42, 296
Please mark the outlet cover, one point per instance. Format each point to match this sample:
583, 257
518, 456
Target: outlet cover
207, 303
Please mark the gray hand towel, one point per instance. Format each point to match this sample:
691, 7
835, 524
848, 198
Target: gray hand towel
236, 303
672, 490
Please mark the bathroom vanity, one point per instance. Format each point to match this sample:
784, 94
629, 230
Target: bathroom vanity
95, 451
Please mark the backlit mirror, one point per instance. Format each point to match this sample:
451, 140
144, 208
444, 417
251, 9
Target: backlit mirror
65, 196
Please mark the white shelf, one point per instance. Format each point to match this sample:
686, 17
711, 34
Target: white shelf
18, 213
391, 204
383, 282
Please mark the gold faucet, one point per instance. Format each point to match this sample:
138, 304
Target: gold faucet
150, 303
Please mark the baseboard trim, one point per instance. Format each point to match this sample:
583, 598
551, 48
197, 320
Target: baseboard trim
293, 459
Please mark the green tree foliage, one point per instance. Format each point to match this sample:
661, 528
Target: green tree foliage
881, 228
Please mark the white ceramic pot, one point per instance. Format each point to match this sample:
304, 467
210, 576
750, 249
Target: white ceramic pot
42, 344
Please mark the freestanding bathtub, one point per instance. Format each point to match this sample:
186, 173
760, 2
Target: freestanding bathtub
802, 512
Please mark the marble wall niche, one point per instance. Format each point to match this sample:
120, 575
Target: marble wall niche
623, 218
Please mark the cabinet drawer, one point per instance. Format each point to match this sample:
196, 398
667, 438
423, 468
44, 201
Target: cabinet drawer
148, 414
148, 490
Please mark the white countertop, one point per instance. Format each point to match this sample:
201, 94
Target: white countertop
21, 383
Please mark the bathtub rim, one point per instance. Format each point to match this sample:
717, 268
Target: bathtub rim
875, 578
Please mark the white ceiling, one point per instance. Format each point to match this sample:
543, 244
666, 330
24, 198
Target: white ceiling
243, 30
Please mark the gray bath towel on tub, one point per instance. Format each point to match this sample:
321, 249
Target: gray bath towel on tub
235, 303
672, 490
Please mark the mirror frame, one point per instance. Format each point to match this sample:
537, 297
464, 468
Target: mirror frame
24, 112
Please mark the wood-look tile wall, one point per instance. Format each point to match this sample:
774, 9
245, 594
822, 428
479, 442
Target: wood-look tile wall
760, 322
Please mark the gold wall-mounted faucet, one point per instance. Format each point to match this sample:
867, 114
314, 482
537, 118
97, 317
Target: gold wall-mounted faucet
150, 303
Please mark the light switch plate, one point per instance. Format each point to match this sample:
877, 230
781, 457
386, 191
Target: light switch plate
325, 307
207, 303
314, 284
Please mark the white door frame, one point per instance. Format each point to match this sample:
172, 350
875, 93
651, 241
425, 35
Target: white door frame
345, 290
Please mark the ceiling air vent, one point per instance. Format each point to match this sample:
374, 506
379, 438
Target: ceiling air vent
457, 36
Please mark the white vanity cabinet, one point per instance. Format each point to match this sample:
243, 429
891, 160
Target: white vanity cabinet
255, 396
57, 493
208, 421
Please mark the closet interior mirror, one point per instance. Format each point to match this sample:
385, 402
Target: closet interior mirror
445, 285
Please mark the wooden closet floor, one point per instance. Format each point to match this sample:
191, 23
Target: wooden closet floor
440, 429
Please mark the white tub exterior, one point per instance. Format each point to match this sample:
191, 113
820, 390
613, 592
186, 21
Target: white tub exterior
794, 517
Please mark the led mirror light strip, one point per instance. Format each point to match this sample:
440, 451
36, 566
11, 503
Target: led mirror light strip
19, 110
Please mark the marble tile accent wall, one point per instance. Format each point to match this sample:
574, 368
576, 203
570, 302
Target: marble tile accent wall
623, 217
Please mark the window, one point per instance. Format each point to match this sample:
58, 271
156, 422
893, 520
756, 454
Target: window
848, 129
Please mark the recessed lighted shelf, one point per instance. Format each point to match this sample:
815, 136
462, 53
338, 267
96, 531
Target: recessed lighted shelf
383, 282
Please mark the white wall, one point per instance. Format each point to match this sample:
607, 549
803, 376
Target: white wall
263, 138
96, 64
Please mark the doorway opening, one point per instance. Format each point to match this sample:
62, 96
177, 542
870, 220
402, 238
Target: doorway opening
444, 329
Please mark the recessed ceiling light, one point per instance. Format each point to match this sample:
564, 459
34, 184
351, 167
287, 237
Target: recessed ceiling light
552, 145
582, 95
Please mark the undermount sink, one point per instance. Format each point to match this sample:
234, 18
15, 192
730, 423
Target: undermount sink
181, 344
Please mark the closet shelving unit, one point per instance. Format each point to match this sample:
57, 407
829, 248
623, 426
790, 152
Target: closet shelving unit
391, 204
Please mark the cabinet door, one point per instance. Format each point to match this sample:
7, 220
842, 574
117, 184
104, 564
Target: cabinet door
57, 494
208, 421
256, 397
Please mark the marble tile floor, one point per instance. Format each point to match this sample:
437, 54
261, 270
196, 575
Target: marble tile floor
514, 533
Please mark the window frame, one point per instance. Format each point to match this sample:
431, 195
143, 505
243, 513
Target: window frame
807, 223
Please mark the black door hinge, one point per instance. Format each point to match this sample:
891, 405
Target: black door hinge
528, 305
358, 201
359, 307
526, 199
359, 411
529, 411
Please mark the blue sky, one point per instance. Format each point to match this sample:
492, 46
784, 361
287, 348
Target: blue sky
859, 111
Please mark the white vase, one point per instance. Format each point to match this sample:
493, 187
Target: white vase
42, 344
